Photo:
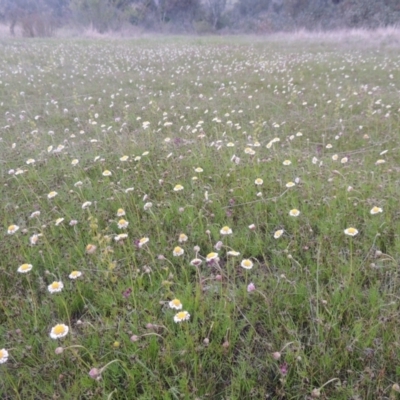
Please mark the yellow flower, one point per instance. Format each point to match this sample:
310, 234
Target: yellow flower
287, 162
12, 229
182, 238
178, 251
198, 170
91, 248
226, 231
182, 316
176, 304
58, 221
124, 158
211, 256
351, 231
247, 264
294, 212
75, 162
122, 223
376, 210
249, 150
24, 268
107, 173
258, 181
59, 331
143, 241
55, 287
178, 188
120, 212
3, 356
52, 194
75, 274
290, 184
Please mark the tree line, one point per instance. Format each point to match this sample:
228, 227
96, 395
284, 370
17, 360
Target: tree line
43, 17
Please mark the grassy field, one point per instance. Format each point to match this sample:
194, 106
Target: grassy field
200, 218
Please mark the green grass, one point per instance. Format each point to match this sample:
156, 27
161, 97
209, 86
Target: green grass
325, 305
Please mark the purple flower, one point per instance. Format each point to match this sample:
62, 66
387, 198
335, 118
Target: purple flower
251, 287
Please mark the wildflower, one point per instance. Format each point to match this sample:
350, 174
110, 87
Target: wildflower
252, 227
24, 268
73, 222
246, 264
147, 206
294, 212
176, 304
182, 238
258, 181
59, 331
52, 194
30, 161
12, 229
249, 150
290, 184
335, 157
233, 253
351, 231
129, 190
376, 210
78, 184
122, 223
121, 236
218, 245
226, 231
198, 170
86, 204
344, 160
278, 233
75, 274
34, 214
95, 373
58, 221
328, 146
75, 162
91, 248
196, 262
143, 241
287, 162
3, 356
124, 158
178, 251
120, 212
178, 188
55, 287
251, 287
380, 162
107, 173
211, 256
182, 316
230, 144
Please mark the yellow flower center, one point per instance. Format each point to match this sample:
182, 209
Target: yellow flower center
176, 302
247, 263
55, 285
59, 329
181, 315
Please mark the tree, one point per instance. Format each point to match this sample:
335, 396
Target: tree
215, 9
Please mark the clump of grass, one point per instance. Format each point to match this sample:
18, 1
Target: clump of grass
199, 219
